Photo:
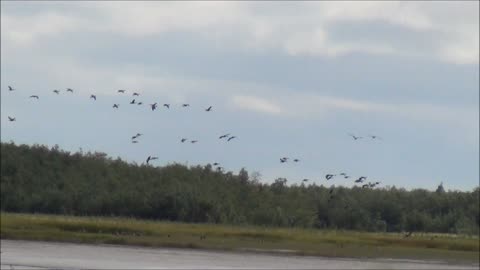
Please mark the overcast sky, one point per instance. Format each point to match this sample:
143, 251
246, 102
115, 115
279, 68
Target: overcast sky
287, 78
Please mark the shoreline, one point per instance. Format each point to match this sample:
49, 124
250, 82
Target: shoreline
207, 252
223, 238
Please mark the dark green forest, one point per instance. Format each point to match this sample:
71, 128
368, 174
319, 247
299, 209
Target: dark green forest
38, 179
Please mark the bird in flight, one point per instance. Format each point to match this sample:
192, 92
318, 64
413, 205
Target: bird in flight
166, 105
70, 90
361, 179
34, 96
354, 137
136, 94
132, 102
185, 105
11, 119
136, 136
283, 159
194, 141
115, 106
134, 141
93, 96
374, 137
231, 138
296, 160
140, 103
224, 136
121, 91
216, 164
329, 176
151, 158
305, 180
154, 106
208, 109
183, 140
56, 92
10, 88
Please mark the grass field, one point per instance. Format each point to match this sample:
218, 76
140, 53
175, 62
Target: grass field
125, 231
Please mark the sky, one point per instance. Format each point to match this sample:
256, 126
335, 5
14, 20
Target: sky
288, 79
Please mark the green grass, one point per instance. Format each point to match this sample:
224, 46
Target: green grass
125, 231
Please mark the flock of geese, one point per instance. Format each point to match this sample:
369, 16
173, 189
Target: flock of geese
228, 137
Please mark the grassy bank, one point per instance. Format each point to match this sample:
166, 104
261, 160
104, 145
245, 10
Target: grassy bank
126, 231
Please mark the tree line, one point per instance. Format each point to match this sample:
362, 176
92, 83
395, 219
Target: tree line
39, 179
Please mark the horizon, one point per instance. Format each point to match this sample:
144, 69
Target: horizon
286, 84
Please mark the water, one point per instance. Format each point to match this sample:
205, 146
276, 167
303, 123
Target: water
41, 255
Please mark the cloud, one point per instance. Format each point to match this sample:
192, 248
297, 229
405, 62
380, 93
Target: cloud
262, 26
256, 104
22, 30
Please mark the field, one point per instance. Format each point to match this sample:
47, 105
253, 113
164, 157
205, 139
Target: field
125, 231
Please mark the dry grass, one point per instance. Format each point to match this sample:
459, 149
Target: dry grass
127, 231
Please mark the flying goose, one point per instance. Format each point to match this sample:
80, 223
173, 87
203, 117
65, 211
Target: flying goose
296, 160
231, 138
10, 88
115, 106
154, 106
166, 105
224, 136
354, 137
132, 102
137, 135
185, 105
70, 90
374, 137
136, 94
208, 109
56, 91
93, 96
140, 103
34, 96
194, 141
329, 176
361, 179
11, 119
183, 140
151, 158
121, 91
